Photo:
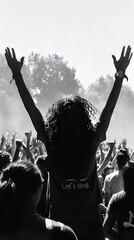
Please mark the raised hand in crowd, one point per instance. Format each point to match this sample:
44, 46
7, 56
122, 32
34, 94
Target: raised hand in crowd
107, 158
13, 143
102, 155
3, 142
28, 135
17, 151
37, 146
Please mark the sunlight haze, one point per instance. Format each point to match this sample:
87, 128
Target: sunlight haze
85, 32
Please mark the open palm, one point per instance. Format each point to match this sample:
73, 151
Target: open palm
124, 60
12, 61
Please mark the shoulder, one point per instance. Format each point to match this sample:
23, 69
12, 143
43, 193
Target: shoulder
118, 196
110, 176
60, 230
116, 200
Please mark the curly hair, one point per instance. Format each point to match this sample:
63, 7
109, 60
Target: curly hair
70, 125
70, 114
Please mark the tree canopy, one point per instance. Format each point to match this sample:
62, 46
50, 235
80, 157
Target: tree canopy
52, 77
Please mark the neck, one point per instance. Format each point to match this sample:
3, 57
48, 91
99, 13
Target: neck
31, 207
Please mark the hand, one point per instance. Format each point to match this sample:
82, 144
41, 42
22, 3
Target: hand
101, 146
102, 208
3, 139
12, 61
111, 144
124, 60
19, 143
28, 134
14, 135
39, 143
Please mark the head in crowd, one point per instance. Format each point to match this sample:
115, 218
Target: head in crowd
5, 159
122, 159
20, 191
124, 143
128, 177
41, 163
70, 127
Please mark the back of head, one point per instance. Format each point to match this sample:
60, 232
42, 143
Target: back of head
122, 159
128, 177
19, 182
70, 126
5, 159
42, 165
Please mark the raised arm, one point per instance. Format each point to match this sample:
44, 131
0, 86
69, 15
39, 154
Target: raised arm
28, 135
18, 147
13, 140
121, 66
3, 142
106, 159
33, 111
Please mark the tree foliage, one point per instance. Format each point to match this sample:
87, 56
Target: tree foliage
46, 77
98, 91
121, 124
52, 77
5, 75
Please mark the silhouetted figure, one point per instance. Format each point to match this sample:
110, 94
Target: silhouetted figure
72, 134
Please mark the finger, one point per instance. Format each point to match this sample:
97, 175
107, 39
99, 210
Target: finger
128, 52
114, 59
8, 53
7, 56
22, 60
13, 52
130, 57
5, 52
122, 52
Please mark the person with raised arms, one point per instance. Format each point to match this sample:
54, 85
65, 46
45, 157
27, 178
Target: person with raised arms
72, 133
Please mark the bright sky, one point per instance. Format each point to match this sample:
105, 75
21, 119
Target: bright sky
85, 32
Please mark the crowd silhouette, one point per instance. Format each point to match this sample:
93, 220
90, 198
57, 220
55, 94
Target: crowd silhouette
67, 182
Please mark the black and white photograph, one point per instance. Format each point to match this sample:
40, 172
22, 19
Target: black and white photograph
66, 119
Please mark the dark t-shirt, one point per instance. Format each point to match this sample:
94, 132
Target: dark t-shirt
75, 201
39, 228
123, 209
